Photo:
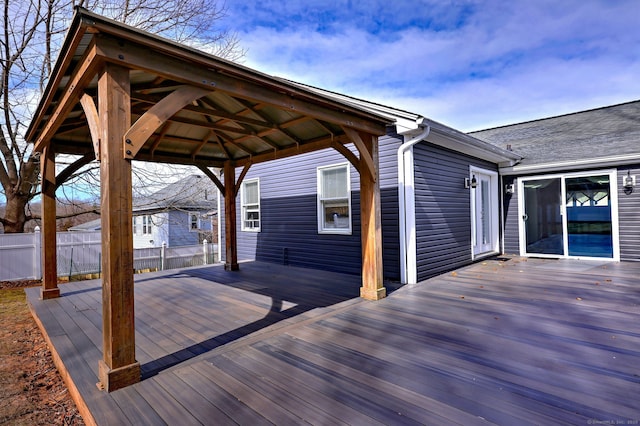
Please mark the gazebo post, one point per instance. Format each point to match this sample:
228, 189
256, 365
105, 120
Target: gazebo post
230, 231
370, 221
50, 288
118, 367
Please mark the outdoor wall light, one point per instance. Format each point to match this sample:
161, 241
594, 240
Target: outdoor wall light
628, 182
470, 183
510, 188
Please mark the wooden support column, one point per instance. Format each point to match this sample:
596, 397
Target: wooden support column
230, 231
50, 288
118, 367
370, 221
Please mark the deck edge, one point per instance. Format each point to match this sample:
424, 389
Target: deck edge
75, 394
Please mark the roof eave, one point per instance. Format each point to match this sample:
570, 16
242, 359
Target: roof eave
591, 163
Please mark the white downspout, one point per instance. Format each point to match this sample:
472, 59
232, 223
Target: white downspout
407, 204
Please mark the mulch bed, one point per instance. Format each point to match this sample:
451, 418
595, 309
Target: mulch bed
31, 389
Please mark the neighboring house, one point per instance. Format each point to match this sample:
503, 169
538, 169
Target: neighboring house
575, 193
182, 213
304, 210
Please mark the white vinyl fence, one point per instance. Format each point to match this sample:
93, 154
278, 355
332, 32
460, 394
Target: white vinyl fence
79, 253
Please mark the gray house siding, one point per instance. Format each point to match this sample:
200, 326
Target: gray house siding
443, 215
288, 215
629, 215
511, 236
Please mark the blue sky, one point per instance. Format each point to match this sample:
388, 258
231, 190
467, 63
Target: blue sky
468, 64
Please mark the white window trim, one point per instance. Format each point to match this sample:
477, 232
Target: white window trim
320, 212
243, 207
197, 228
146, 229
615, 224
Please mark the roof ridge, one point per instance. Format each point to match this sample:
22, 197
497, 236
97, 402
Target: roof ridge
556, 116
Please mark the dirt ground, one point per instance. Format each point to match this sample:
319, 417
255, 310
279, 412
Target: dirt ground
31, 389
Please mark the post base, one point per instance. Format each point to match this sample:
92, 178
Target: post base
118, 378
373, 293
231, 267
49, 293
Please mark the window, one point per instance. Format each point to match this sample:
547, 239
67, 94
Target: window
250, 201
146, 225
194, 222
334, 199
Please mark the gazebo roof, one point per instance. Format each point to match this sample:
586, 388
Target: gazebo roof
217, 110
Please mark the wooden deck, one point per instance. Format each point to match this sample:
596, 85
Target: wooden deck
499, 342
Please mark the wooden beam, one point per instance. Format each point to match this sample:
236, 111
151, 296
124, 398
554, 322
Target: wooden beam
118, 367
143, 58
159, 137
50, 288
91, 112
371, 227
81, 77
158, 114
67, 56
213, 177
243, 173
230, 230
74, 167
315, 145
188, 160
210, 125
208, 112
346, 152
365, 156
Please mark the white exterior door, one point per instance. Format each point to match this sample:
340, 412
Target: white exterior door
484, 212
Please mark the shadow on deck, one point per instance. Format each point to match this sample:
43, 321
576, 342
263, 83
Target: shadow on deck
503, 341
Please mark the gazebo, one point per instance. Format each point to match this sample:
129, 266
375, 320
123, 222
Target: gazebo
117, 94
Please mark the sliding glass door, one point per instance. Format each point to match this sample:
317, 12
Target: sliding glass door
588, 207
543, 216
569, 215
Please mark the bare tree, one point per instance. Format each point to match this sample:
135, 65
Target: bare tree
32, 33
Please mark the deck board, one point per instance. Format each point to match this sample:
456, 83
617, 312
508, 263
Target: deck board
523, 341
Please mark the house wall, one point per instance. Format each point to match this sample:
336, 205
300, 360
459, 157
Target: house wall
628, 217
179, 230
511, 236
443, 208
171, 227
159, 231
288, 209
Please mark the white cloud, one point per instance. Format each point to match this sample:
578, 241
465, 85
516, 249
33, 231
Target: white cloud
471, 65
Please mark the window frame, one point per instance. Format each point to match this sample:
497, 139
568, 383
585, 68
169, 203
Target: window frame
145, 225
320, 200
244, 207
190, 223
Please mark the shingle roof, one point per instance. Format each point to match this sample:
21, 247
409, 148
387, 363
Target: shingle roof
194, 192
607, 132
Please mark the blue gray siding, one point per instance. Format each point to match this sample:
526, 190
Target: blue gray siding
510, 218
288, 208
629, 216
443, 208
179, 230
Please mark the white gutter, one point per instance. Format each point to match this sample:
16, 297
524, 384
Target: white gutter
407, 203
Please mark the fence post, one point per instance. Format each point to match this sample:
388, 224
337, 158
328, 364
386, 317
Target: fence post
205, 251
162, 254
37, 256
71, 264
